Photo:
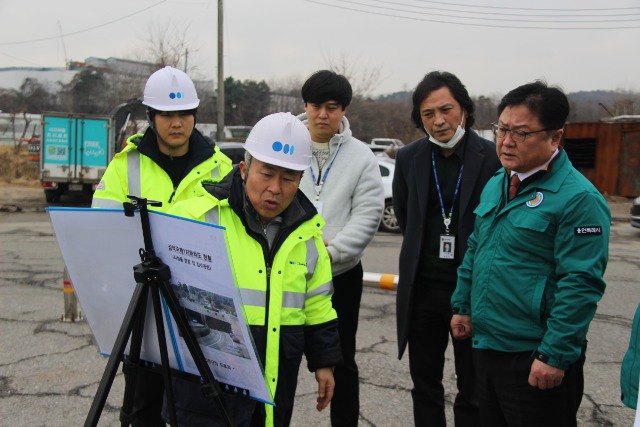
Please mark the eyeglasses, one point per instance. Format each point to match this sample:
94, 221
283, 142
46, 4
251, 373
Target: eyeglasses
517, 136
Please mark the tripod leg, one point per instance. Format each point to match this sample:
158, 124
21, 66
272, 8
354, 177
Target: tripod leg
131, 364
162, 343
134, 311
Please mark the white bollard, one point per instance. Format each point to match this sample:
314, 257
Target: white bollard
380, 280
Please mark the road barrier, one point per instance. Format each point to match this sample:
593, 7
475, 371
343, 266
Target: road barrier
384, 281
71, 312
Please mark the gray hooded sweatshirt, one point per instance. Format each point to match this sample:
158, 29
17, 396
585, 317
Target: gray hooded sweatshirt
351, 197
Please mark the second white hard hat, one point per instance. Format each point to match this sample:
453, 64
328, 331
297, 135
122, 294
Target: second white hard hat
280, 139
170, 89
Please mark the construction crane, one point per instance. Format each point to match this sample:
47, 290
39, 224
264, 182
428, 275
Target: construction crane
64, 48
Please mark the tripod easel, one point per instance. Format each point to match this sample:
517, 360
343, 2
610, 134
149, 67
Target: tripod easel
152, 277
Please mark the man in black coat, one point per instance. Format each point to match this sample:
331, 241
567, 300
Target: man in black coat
436, 187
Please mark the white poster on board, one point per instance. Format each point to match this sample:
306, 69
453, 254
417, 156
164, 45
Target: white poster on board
100, 247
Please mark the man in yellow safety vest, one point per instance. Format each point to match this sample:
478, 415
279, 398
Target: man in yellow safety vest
282, 268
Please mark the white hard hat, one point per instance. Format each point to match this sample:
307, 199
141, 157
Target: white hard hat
170, 89
280, 139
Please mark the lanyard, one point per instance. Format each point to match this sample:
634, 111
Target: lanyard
324, 177
446, 220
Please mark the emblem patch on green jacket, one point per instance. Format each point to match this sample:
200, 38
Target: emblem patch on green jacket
535, 200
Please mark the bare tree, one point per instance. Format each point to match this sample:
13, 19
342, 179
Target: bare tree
285, 94
364, 79
624, 107
123, 87
372, 119
32, 97
168, 43
87, 91
486, 111
368, 118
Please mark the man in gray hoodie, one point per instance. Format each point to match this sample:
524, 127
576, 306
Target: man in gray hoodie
345, 185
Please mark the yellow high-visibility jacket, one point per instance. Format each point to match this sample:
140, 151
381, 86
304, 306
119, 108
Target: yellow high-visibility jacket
286, 293
137, 170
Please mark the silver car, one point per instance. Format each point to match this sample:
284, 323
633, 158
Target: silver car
389, 222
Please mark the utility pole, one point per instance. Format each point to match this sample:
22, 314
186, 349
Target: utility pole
220, 125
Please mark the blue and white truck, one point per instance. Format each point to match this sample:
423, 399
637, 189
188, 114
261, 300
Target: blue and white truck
75, 152
77, 148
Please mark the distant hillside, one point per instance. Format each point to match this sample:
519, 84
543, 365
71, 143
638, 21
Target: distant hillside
395, 97
586, 106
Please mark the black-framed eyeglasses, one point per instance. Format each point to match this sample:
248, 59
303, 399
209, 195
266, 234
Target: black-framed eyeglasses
517, 136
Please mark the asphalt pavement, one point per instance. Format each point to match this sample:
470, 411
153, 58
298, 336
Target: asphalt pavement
50, 369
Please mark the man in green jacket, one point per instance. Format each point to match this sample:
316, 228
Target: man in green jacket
630, 369
165, 164
282, 269
533, 274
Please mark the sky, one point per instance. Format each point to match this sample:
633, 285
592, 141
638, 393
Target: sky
493, 46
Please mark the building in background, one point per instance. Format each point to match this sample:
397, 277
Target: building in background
607, 152
53, 77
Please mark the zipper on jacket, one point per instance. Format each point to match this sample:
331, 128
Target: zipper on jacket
172, 194
266, 313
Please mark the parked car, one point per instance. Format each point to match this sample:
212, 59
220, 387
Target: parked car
199, 329
378, 150
389, 222
635, 213
233, 150
385, 147
386, 142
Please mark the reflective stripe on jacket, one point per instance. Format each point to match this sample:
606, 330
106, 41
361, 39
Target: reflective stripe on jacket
133, 173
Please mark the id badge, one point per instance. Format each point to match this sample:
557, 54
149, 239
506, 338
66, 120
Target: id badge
447, 246
318, 205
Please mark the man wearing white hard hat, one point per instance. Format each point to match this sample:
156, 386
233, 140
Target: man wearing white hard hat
164, 164
283, 271
171, 157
